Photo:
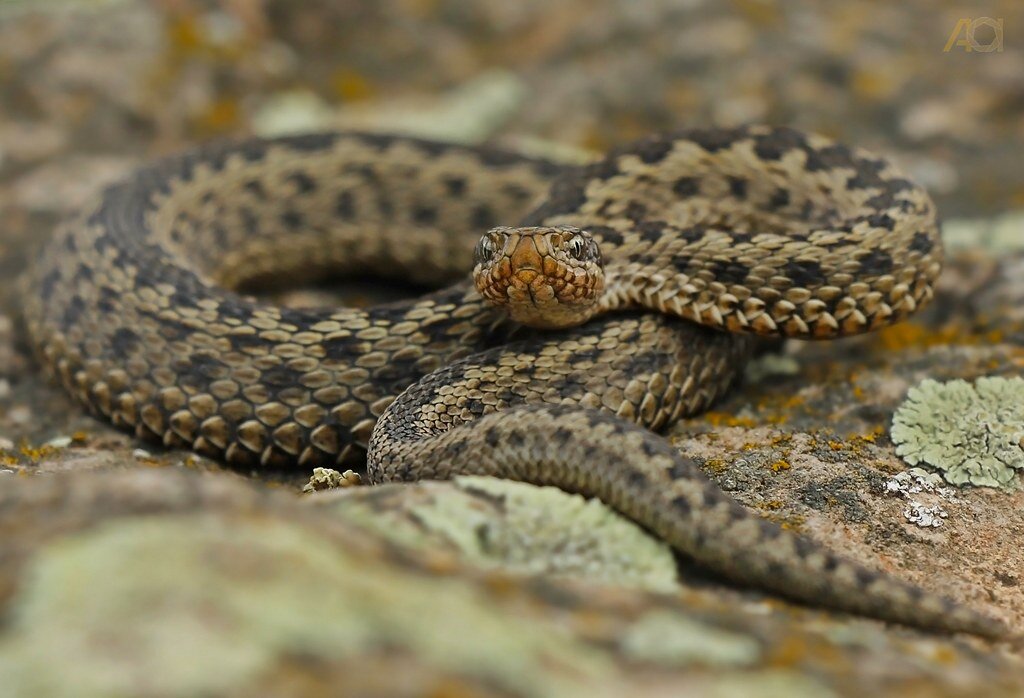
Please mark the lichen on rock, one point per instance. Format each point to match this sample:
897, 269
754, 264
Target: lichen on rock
519, 528
973, 433
214, 604
671, 639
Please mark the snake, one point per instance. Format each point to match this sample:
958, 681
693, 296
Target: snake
607, 301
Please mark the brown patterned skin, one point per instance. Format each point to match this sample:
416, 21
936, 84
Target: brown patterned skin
754, 230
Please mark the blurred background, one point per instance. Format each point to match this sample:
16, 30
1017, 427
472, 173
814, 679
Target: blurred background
94, 85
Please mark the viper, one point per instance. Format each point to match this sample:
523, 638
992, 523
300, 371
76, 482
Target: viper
644, 275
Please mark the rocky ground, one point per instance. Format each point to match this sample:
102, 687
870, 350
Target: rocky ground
125, 569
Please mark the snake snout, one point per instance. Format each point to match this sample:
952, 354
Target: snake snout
549, 276
526, 260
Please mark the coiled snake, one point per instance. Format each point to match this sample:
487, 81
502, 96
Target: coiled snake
756, 230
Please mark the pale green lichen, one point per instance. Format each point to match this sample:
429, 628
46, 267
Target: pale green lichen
999, 234
671, 639
469, 113
187, 606
972, 433
524, 529
768, 366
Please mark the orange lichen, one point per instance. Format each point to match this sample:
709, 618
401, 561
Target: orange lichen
776, 409
780, 465
764, 14
716, 465
724, 419
874, 85
789, 523
789, 651
220, 116
185, 34
38, 453
870, 437
421, 9
908, 335
350, 86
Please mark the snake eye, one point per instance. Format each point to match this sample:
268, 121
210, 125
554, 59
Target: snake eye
485, 249
577, 247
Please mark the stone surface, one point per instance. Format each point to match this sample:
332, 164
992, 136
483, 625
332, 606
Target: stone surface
159, 573
166, 582
516, 527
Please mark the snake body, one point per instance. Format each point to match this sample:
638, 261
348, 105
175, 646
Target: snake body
135, 306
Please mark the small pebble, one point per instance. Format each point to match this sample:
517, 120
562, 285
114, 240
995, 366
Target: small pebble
142, 454
6, 347
59, 442
19, 415
6, 444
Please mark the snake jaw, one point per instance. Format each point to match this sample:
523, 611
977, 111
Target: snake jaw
546, 277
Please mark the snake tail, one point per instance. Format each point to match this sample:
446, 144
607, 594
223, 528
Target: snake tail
642, 477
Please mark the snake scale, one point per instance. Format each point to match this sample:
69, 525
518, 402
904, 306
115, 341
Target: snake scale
138, 307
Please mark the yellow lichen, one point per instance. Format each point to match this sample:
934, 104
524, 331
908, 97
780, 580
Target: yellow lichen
38, 453
716, 465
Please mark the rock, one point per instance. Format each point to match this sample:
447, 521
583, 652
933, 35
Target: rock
517, 527
173, 583
164, 575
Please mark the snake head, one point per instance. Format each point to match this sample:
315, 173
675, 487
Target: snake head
547, 277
